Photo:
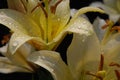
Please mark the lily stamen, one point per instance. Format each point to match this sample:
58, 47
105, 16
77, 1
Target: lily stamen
108, 23
24, 5
100, 73
92, 74
40, 5
117, 74
49, 1
101, 63
116, 28
53, 8
114, 64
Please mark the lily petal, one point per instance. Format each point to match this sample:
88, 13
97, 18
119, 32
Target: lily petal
51, 61
111, 3
19, 58
3, 49
118, 5
114, 15
17, 21
31, 4
82, 57
112, 48
97, 25
17, 39
80, 53
63, 12
85, 10
80, 25
7, 67
16, 5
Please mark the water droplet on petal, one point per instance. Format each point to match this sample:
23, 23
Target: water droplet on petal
83, 40
52, 70
58, 19
15, 43
10, 23
42, 57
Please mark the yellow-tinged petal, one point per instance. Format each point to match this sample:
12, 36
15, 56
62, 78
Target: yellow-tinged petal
16, 40
32, 4
111, 52
7, 67
20, 57
111, 3
84, 50
52, 62
83, 55
97, 25
118, 5
17, 21
113, 13
85, 10
80, 25
16, 5
63, 14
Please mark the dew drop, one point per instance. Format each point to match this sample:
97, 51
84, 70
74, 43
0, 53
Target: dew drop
58, 19
15, 43
83, 40
52, 70
10, 23
42, 57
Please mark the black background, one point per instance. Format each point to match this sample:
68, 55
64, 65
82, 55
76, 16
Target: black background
77, 4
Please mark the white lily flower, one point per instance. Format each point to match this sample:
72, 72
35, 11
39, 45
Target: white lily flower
105, 43
111, 7
43, 27
89, 57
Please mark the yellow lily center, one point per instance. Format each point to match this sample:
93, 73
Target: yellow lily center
52, 26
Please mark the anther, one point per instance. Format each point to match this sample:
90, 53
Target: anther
40, 5
116, 28
49, 1
108, 22
53, 8
101, 63
114, 64
117, 74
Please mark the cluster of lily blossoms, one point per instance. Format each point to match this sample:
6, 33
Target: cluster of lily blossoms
37, 29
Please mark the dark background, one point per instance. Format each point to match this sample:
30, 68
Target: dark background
77, 4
